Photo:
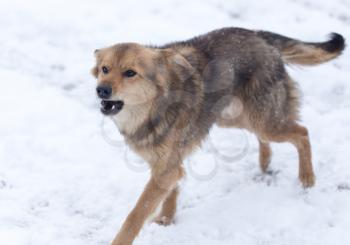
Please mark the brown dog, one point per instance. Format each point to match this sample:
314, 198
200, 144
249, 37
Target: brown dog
165, 99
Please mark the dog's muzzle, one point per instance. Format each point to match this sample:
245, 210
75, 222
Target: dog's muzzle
110, 107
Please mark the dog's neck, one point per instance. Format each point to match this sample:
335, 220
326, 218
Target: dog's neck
139, 124
131, 117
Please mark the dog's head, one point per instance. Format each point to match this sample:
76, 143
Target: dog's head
130, 74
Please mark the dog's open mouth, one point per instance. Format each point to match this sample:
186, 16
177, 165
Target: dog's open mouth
110, 107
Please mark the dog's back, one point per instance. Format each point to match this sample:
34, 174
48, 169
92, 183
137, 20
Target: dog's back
242, 41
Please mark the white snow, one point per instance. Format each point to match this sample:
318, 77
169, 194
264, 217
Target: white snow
67, 178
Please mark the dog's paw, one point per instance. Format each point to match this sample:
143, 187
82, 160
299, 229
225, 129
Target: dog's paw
307, 180
163, 220
269, 177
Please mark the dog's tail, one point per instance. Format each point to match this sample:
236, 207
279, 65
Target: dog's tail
305, 53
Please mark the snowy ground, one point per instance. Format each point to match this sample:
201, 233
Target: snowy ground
66, 178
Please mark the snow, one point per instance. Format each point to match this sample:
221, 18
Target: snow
67, 178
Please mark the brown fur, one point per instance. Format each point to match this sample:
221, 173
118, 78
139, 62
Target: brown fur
232, 77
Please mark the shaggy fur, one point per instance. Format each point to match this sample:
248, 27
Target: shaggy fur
232, 77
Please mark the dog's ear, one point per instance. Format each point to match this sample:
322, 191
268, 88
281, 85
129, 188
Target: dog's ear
178, 64
94, 70
167, 66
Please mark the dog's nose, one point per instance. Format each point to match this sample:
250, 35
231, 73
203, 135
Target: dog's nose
104, 91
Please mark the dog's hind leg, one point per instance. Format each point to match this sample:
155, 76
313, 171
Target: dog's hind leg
298, 136
168, 211
264, 155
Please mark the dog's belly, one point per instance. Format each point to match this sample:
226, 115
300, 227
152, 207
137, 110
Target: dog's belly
233, 115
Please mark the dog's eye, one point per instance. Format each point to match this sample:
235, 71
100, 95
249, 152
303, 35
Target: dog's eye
129, 73
105, 69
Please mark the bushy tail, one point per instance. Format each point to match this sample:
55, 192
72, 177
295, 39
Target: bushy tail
305, 53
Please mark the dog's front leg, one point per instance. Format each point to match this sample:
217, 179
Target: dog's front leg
155, 192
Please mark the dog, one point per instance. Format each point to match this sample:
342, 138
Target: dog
165, 99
